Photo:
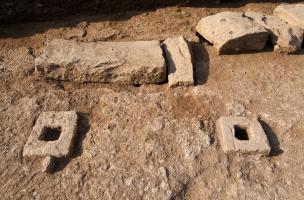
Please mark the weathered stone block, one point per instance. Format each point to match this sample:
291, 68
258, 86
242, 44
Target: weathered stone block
48, 164
242, 135
286, 38
104, 62
52, 135
178, 57
232, 32
291, 13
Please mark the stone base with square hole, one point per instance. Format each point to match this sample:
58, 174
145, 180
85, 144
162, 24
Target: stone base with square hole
52, 135
242, 135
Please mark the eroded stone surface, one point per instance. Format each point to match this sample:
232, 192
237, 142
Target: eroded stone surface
232, 32
105, 62
178, 56
256, 142
291, 13
48, 164
285, 37
42, 143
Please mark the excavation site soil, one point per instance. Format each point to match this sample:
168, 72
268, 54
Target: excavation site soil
151, 141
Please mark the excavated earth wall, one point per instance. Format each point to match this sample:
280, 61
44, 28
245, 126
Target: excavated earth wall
37, 10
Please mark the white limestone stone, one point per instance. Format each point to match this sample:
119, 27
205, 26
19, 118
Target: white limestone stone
257, 142
291, 13
232, 32
104, 62
178, 57
38, 145
285, 37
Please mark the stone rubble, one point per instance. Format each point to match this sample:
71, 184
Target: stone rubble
291, 13
178, 57
286, 38
66, 120
145, 62
232, 32
104, 62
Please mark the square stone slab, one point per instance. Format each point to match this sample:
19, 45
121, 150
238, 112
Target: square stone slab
285, 37
52, 134
242, 135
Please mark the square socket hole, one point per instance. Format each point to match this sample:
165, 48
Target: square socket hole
50, 134
240, 133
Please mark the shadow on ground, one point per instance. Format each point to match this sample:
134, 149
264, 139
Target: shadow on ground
273, 139
200, 60
83, 127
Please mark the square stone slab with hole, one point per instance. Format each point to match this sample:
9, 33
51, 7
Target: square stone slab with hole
52, 135
242, 135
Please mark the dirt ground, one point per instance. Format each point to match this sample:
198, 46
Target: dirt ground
149, 141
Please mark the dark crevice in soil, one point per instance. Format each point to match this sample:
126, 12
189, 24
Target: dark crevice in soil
200, 60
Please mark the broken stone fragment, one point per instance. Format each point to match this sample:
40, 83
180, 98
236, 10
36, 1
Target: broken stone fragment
242, 135
52, 136
291, 13
178, 57
286, 38
232, 32
48, 164
104, 62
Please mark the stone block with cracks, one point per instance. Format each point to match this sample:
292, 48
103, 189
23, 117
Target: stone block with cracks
232, 32
135, 62
242, 135
53, 135
178, 57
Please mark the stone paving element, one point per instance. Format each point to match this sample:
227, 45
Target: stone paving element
291, 13
104, 62
286, 38
52, 135
242, 135
232, 32
178, 57
48, 164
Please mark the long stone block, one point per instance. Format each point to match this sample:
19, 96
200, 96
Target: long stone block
178, 56
104, 62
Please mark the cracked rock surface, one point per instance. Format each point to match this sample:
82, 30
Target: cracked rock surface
292, 13
104, 62
285, 37
232, 32
179, 61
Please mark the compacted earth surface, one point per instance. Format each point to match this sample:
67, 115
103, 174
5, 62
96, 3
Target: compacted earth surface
152, 141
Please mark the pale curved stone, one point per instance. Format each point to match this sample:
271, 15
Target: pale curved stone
285, 37
232, 32
291, 13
